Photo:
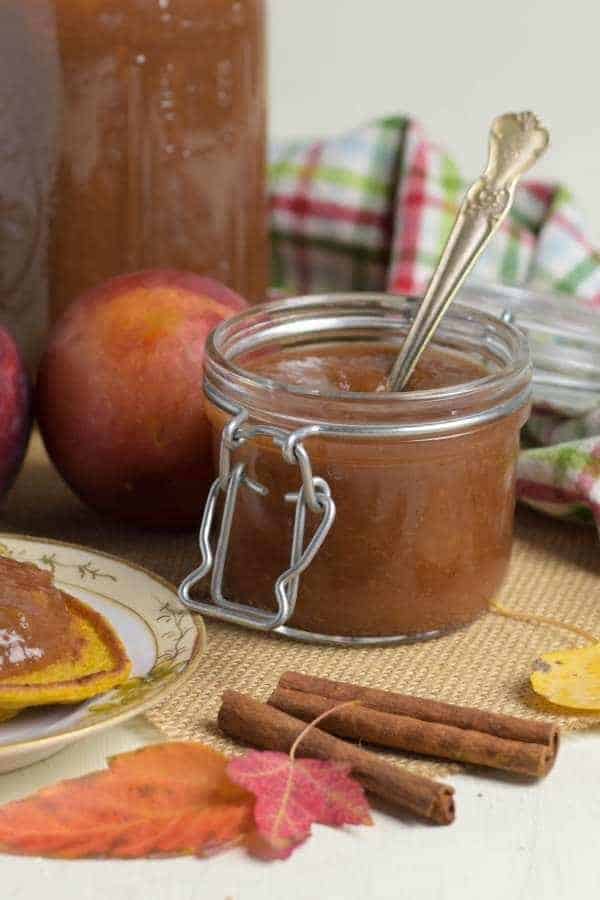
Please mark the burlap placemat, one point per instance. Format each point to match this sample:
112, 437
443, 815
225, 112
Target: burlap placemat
554, 572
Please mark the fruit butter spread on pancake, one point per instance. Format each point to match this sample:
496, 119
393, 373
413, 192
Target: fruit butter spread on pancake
36, 627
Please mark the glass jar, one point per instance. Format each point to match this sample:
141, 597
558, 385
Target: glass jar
29, 97
163, 143
359, 518
563, 337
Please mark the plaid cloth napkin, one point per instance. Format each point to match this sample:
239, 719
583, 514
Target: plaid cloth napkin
371, 210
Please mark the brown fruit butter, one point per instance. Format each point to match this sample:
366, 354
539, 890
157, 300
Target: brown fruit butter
422, 537
35, 625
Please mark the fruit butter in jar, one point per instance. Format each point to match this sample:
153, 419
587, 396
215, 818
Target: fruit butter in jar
163, 143
344, 513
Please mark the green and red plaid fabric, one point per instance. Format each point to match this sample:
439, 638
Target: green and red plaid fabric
371, 210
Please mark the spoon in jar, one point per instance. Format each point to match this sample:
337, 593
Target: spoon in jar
517, 140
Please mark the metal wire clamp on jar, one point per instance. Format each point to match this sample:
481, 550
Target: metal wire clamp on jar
396, 471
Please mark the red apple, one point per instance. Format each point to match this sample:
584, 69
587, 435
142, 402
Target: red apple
15, 411
119, 394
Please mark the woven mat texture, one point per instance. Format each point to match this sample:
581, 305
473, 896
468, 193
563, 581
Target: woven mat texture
554, 572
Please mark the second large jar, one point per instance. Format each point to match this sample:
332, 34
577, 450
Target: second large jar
163, 142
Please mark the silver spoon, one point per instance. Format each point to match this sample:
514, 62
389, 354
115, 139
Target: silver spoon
516, 142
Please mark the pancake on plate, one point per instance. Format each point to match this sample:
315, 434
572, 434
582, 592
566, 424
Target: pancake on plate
53, 647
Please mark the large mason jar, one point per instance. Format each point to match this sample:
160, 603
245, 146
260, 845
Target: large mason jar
163, 143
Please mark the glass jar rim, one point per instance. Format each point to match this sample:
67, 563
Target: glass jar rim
294, 316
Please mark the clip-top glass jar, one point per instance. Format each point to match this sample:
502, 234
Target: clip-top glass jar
349, 516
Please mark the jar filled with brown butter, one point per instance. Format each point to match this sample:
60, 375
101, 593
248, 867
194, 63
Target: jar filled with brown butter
343, 513
163, 143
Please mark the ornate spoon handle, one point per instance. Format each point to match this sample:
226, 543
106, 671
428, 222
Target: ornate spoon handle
516, 142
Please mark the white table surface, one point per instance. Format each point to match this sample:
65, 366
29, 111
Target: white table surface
521, 842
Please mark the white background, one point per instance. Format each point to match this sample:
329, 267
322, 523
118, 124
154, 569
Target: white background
511, 841
453, 64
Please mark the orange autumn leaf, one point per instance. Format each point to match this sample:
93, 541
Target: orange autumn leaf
164, 799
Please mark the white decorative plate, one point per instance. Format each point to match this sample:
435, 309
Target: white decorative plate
163, 640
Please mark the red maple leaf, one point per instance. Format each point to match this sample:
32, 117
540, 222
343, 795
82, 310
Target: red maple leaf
292, 794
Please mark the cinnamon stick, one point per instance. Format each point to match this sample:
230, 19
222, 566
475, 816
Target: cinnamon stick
261, 725
361, 723
510, 727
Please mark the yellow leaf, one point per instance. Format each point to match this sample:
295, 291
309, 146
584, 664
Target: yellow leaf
569, 677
